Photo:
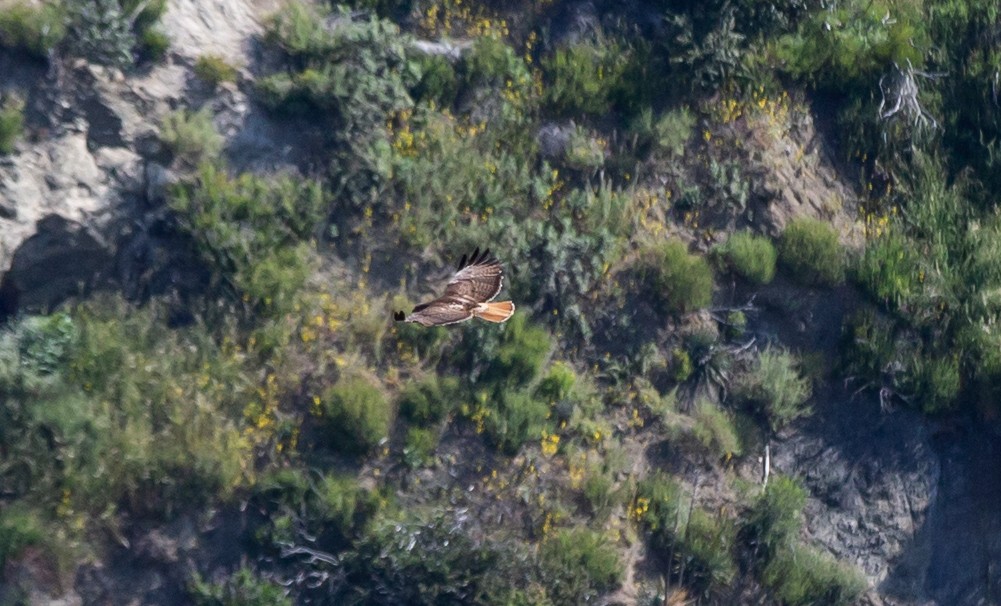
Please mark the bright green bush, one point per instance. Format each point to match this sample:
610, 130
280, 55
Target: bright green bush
578, 565
714, 429
809, 248
35, 29
191, 136
680, 281
215, 70
774, 387
356, 413
889, 269
11, 123
242, 588
853, 43
802, 576
751, 256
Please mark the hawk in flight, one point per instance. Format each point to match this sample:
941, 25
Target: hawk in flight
468, 294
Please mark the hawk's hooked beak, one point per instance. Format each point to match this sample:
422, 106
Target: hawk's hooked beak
399, 316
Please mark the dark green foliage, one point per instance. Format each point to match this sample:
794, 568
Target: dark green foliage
35, 29
108, 32
583, 79
578, 565
429, 400
809, 248
522, 350
439, 82
11, 123
357, 70
751, 256
242, 588
214, 70
252, 232
418, 561
679, 281
357, 414
774, 387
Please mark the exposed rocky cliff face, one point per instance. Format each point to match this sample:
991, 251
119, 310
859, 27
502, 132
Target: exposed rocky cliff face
913, 502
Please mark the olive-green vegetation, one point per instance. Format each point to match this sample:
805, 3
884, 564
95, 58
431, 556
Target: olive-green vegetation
612, 170
11, 122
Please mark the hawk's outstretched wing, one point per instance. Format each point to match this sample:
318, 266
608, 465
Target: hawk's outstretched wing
477, 280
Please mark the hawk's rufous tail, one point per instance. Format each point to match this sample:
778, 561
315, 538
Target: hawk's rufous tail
497, 311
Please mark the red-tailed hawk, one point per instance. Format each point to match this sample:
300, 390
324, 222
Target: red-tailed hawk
477, 280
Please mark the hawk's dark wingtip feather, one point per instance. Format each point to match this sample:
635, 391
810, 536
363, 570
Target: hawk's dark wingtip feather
462, 261
399, 316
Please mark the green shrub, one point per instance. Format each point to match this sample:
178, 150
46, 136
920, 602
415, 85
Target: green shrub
584, 152
523, 348
426, 558
935, 381
153, 45
558, 384
253, 232
702, 544
852, 44
242, 588
493, 64
439, 81
582, 79
215, 70
419, 446
35, 29
809, 248
429, 400
11, 123
578, 565
751, 256
714, 429
357, 414
774, 387
101, 32
774, 520
340, 504
802, 576
19, 528
889, 269
191, 136
515, 417
666, 135
680, 281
